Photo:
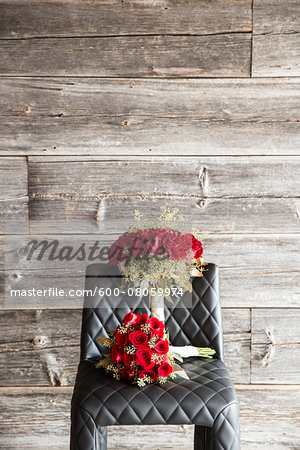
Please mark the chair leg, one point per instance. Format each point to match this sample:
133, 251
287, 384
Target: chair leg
85, 435
225, 433
200, 438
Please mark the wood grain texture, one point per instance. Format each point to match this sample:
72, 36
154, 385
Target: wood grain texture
275, 16
46, 344
225, 55
32, 18
113, 215
147, 117
261, 271
276, 38
210, 177
38, 418
13, 196
224, 194
275, 341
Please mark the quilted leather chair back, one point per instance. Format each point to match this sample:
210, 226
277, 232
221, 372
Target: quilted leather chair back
198, 323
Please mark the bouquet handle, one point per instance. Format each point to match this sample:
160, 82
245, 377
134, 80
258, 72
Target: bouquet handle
157, 306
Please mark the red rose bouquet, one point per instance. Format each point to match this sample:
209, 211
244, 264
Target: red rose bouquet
158, 256
139, 351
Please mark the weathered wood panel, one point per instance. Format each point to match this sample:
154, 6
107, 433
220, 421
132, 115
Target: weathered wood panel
13, 196
221, 177
275, 16
32, 18
275, 346
41, 348
276, 38
255, 270
110, 215
87, 196
138, 117
225, 55
39, 418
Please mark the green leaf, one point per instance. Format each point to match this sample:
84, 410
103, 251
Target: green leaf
168, 335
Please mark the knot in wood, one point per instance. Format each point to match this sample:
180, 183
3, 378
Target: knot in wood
39, 341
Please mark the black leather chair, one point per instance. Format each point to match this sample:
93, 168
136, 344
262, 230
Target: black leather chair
207, 399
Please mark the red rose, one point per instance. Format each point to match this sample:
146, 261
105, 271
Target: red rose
139, 245
139, 319
128, 373
156, 326
129, 318
144, 357
176, 245
128, 358
197, 248
162, 347
152, 373
138, 338
121, 338
165, 368
116, 354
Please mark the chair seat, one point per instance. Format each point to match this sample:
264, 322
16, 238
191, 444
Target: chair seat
198, 400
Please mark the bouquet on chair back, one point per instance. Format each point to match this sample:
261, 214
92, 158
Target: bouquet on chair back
157, 257
155, 260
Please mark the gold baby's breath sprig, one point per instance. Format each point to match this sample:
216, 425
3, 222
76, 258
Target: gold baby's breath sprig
103, 363
162, 380
107, 342
123, 329
130, 349
137, 215
152, 342
145, 328
143, 381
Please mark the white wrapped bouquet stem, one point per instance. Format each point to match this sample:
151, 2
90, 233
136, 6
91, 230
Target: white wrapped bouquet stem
189, 350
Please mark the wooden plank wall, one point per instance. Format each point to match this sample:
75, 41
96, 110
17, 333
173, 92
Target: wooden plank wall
110, 106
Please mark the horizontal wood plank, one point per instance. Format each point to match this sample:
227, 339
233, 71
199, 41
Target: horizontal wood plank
225, 55
38, 418
255, 270
220, 177
32, 18
13, 196
138, 117
275, 346
276, 38
113, 215
41, 348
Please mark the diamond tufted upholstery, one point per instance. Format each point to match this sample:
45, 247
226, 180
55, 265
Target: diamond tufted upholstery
207, 399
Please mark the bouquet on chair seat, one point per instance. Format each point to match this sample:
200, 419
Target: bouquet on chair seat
140, 351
